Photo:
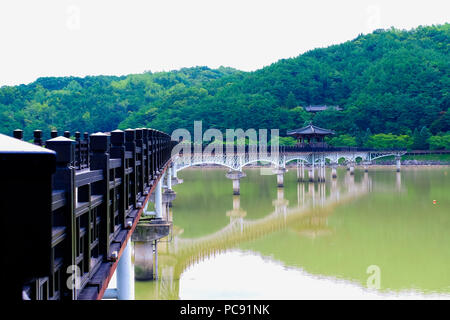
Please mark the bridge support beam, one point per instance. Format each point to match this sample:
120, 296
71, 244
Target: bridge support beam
236, 177
124, 281
398, 163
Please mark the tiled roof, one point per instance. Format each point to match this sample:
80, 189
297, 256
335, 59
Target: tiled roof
310, 129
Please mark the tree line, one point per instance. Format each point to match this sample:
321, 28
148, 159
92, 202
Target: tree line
392, 86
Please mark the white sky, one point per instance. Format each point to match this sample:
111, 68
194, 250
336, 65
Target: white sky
91, 37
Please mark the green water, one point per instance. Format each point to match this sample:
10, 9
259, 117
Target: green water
307, 240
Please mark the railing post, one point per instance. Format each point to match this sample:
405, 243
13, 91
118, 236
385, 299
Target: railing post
18, 134
26, 191
100, 146
146, 156
140, 169
78, 150
118, 152
64, 179
130, 145
37, 137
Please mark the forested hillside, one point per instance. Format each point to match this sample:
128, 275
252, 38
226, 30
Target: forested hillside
392, 85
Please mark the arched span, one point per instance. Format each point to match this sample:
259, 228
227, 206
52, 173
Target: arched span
377, 156
276, 164
303, 159
180, 167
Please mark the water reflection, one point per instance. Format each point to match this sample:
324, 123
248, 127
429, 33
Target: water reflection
334, 230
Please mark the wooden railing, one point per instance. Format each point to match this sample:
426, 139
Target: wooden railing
97, 186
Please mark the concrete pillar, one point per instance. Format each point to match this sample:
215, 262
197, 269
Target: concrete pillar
158, 199
236, 177
333, 172
322, 171
280, 180
398, 163
236, 186
352, 168
280, 176
311, 173
169, 178
143, 260
299, 177
124, 281
174, 170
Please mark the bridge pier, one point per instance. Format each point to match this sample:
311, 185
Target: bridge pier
352, 168
280, 176
236, 177
169, 179
300, 171
311, 173
398, 163
321, 171
175, 179
124, 281
143, 260
333, 172
158, 199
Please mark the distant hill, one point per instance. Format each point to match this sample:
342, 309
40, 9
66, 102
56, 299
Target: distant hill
390, 81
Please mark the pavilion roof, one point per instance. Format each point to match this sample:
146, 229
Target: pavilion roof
310, 130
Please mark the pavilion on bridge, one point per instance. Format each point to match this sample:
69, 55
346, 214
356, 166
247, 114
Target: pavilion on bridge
310, 136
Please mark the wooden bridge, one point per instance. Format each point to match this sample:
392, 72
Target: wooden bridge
70, 206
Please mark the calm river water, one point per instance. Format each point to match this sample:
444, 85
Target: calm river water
377, 235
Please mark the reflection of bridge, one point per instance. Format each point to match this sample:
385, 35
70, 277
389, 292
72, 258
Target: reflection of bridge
308, 217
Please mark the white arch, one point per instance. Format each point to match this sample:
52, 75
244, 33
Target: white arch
387, 155
277, 164
297, 158
181, 167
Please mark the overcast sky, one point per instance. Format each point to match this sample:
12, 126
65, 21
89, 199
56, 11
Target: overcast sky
91, 37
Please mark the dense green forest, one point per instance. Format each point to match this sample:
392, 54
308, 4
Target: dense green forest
392, 85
